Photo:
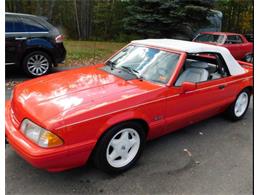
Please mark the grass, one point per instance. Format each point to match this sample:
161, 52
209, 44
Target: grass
89, 52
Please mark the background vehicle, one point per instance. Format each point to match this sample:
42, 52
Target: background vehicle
237, 44
32, 44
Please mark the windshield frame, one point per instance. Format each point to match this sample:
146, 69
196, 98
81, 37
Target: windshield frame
171, 79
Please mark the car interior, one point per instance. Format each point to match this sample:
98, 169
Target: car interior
200, 68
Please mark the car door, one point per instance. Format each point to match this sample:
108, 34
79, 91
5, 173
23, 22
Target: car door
10, 42
246, 47
15, 36
240, 46
233, 44
209, 98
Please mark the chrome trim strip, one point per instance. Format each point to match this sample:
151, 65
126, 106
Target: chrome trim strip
14, 33
8, 64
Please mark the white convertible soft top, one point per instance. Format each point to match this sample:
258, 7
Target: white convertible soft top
193, 47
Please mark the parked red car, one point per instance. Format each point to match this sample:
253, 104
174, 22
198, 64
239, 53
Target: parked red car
237, 44
106, 112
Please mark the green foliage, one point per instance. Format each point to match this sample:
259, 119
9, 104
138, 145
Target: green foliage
171, 18
125, 20
107, 19
237, 15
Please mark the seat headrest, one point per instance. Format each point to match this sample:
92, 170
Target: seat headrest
197, 64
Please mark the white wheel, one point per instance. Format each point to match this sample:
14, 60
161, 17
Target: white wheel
238, 108
123, 147
241, 104
120, 147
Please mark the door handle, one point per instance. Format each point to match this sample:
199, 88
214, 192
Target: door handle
20, 38
221, 86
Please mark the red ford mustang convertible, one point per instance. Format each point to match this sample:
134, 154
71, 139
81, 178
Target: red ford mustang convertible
106, 112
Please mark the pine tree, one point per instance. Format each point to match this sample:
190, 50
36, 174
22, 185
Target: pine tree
167, 19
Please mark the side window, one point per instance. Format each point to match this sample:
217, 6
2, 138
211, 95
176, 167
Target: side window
12, 24
239, 40
33, 26
202, 67
233, 39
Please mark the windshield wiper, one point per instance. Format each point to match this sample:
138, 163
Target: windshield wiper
133, 71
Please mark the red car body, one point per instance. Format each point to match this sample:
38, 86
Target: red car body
239, 49
80, 105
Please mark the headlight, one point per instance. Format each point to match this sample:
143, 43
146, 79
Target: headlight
39, 135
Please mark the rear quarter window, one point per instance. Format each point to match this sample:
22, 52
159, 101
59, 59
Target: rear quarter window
234, 39
31, 25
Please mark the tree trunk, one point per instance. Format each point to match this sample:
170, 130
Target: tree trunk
39, 7
77, 18
52, 4
84, 18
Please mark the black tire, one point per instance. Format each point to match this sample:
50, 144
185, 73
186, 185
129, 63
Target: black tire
43, 66
230, 112
100, 153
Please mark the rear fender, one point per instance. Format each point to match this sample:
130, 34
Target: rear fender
247, 83
39, 42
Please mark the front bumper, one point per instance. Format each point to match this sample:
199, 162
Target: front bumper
51, 159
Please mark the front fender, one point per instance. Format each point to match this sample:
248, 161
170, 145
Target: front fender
122, 117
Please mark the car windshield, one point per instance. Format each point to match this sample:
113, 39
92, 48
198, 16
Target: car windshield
210, 38
150, 64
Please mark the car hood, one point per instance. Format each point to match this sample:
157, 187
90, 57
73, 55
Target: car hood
44, 98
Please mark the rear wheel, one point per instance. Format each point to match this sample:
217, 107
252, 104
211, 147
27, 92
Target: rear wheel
37, 64
238, 108
120, 147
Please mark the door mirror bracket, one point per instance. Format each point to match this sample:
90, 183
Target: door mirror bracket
188, 86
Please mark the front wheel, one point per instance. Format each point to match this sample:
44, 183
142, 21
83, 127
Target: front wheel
37, 64
238, 108
119, 149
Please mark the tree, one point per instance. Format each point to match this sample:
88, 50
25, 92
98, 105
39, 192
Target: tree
83, 11
107, 20
171, 18
238, 15
125, 20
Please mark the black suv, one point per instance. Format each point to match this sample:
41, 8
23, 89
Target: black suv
32, 43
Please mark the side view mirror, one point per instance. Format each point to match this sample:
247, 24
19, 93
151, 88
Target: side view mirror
188, 86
